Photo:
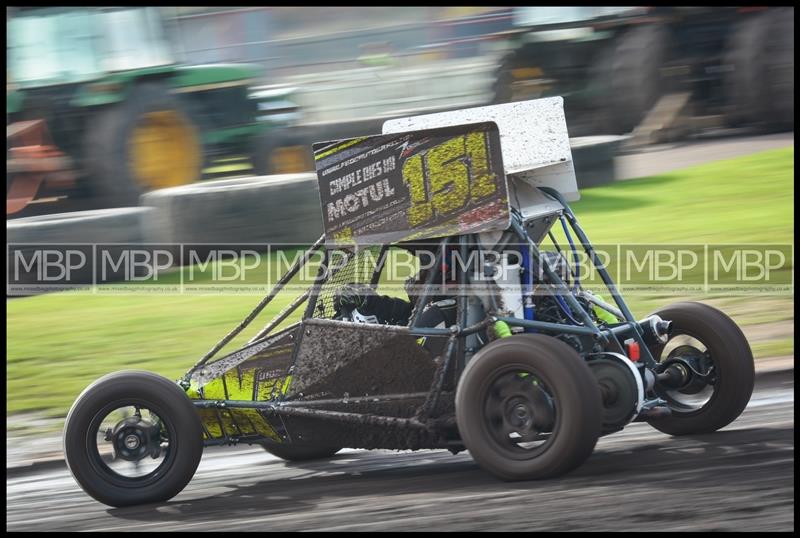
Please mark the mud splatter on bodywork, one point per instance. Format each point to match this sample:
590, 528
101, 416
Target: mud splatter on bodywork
357, 361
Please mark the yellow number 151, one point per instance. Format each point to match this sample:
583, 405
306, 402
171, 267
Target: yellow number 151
446, 177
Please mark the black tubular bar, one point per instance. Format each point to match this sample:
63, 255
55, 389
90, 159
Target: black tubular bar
221, 423
571, 301
399, 329
379, 398
260, 306
587, 246
476, 327
310, 305
340, 416
475, 241
233, 440
429, 331
280, 317
463, 281
376, 273
463, 302
504, 241
291, 411
612, 332
422, 300
547, 326
607, 280
318, 282
602, 304
624, 328
558, 249
430, 402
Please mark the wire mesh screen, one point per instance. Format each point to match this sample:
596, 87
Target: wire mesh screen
345, 267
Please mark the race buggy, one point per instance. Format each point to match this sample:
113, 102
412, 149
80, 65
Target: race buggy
500, 348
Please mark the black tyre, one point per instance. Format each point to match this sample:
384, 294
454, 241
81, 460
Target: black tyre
716, 348
502, 87
146, 142
632, 84
281, 151
528, 407
133, 437
519, 76
299, 452
260, 154
759, 83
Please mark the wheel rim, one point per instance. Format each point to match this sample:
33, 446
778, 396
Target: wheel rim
702, 389
123, 438
520, 412
165, 150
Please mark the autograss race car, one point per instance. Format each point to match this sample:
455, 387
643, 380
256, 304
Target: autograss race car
499, 347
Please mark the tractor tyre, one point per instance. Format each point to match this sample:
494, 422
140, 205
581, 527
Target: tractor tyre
146, 142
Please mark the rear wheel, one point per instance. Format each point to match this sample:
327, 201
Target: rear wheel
300, 452
131, 438
528, 407
711, 348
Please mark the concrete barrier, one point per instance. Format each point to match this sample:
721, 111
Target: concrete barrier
41, 247
266, 209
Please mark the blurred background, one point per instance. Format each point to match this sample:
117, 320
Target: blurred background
194, 124
105, 104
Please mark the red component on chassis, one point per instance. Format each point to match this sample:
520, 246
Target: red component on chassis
632, 347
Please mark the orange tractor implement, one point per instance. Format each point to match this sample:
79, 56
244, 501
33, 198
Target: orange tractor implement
33, 161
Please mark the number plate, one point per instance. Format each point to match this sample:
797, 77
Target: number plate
410, 186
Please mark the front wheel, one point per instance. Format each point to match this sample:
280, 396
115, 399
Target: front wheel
528, 407
133, 437
713, 351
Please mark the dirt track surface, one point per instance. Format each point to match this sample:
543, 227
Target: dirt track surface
740, 478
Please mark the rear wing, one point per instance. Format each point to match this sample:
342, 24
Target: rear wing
534, 144
449, 173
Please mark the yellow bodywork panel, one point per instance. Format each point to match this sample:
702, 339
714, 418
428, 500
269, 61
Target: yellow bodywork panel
236, 385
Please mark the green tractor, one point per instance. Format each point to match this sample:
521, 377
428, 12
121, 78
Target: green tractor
97, 106
622, 68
